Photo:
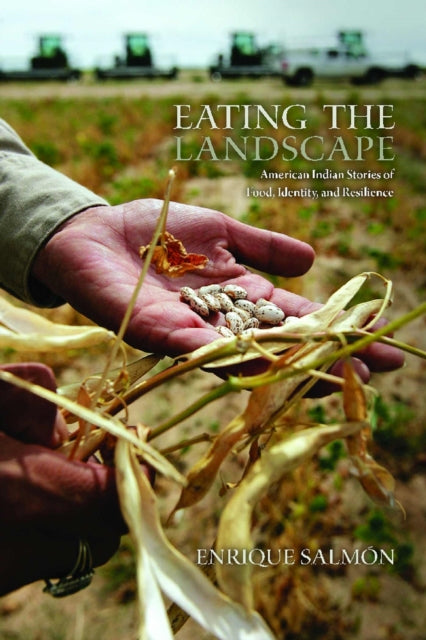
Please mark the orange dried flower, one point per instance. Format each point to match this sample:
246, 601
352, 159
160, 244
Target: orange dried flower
171, 258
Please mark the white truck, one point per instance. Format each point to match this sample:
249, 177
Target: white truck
349, 60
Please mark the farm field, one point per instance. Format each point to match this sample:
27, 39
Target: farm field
118, 139
195, 83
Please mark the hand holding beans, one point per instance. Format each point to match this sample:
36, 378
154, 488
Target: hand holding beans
93, 262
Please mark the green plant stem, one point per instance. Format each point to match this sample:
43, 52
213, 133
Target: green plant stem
214, 394
403, 346
203, 437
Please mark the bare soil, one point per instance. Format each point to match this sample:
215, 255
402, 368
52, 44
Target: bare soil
197, 84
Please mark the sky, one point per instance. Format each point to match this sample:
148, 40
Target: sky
190, 33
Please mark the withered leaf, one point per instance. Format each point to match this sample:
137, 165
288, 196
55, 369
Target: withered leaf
171, 258
161, 567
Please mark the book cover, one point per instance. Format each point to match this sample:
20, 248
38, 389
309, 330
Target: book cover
306, 121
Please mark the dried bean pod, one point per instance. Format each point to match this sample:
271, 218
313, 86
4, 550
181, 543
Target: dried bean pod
225, 332
187, 294
235, 291
198, 305
225, 301
234, 322
270, 314
211, 301
246, 305
211, 289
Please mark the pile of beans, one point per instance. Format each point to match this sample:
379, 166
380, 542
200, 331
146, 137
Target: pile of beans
241, 315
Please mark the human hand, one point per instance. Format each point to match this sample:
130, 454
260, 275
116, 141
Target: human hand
93, 262
46, 501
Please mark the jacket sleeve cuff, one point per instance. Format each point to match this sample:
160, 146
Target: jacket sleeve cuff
35, 200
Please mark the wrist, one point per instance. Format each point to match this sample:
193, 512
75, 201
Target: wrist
47, 262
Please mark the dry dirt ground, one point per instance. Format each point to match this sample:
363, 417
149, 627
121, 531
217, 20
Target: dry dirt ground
197, 84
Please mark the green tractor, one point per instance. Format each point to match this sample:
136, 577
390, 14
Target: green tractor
136, 63
49, 63
247, 59
50, 55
